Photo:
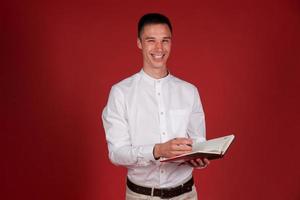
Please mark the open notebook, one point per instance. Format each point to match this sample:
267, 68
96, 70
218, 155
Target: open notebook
210, 149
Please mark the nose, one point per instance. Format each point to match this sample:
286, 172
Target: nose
158, 45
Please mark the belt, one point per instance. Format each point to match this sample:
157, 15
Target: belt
163, 193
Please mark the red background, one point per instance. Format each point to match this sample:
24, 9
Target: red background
59, 60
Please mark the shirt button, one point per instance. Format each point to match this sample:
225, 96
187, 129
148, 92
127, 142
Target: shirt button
162, 171
161, 113
158, 93
163, 133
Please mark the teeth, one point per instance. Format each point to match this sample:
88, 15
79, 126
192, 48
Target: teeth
157, 56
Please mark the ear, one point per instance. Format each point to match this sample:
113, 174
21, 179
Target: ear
139, 43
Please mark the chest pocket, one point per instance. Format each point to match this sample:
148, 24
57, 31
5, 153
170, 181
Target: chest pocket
179, 119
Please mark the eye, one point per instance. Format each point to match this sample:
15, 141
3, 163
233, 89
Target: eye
166, 41
151, 40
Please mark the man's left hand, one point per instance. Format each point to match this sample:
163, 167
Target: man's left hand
198, 163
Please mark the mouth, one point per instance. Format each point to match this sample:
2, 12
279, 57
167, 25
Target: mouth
157, 56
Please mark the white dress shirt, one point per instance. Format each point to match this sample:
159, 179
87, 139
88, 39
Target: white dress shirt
143, 111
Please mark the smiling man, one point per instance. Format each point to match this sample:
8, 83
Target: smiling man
155, 42
153, 115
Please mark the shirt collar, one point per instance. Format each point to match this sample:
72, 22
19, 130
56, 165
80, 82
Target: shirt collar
152, 80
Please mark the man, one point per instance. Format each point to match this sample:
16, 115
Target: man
153, 115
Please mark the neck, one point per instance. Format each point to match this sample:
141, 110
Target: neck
156, 73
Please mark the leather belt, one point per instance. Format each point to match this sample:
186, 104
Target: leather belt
163, 193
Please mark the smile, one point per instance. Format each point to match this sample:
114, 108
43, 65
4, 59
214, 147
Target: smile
157, 56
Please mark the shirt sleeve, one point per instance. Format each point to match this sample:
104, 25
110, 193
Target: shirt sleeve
115, 122
196, 125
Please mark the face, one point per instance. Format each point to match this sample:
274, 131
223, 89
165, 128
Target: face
155, 43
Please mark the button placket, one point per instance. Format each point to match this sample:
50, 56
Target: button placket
158, 90
163, 126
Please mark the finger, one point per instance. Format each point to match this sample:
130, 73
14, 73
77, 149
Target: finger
194, 163
189, 163
177, 153
206, 161
201, 162
182, 141
180, 147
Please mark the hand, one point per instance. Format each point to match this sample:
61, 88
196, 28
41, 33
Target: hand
198, 163
174, 147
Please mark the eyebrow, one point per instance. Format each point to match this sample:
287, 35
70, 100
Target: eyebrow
149, 38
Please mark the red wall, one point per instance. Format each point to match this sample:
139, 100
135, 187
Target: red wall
59, 60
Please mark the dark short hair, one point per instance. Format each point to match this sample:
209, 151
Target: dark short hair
152, 18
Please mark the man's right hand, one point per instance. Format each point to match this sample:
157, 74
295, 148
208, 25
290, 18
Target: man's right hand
174, 147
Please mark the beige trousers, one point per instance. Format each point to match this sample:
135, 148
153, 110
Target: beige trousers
130, 195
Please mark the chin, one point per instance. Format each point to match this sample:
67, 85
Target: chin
159, 65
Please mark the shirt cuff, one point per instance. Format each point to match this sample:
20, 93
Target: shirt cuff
147, 152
